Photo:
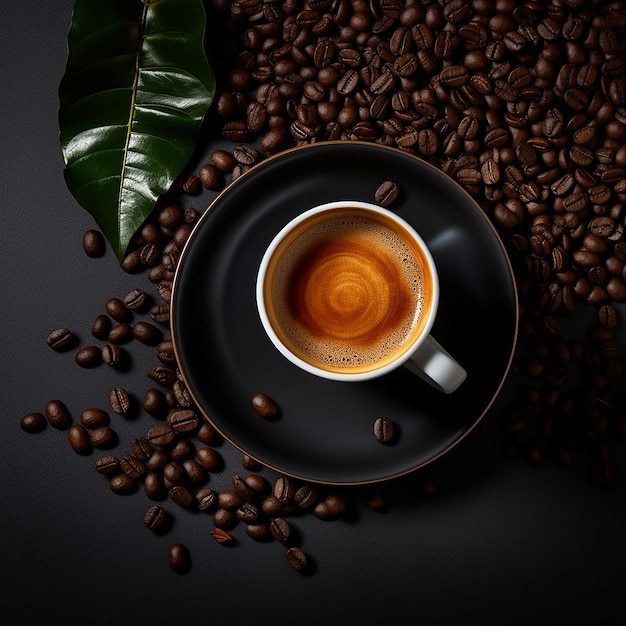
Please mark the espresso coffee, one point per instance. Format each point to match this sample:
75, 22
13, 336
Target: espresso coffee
348, 290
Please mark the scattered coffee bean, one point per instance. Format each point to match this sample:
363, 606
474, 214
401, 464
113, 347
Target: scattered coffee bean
280, 529
89, 356
103, 438
180, 495
296, 558
132, 466
154, 486
116, 309
135, 299
112, 354
58, 415
79, 439
61, 339
259, 532
224, 519
33, 422
383, 429
154, 402
107, 464
94, 418
147, 333
155, 517
161, 435
93, 243
264, 406
387, 193
141, 448
210, 459
120, 333
122, 484
206, 499
120, 401
179, 558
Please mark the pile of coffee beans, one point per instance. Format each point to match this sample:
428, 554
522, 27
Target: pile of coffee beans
523, 103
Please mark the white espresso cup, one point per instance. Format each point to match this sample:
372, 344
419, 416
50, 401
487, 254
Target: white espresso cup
349, 291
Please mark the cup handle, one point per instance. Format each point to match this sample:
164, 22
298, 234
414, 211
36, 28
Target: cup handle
432, 363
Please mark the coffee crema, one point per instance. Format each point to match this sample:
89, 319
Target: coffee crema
347, 291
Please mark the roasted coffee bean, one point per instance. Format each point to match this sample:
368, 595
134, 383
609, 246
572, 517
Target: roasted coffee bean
272, 506
103, 438
79, 439
154, 486
108, 464
248, 513
207, 434
165, 352
123, 484
296, 558
155, 517
284, 489
112, 354
305, 496
383, 429
163, 374
160, 313
116, 309
259, 532
120, 401
179, 558
182, 450
257, 483
241, 488
101, 327
264, 406
33, 422
147, 333
180, 495
182, 420
61, 339
206, 499
229, 500
224, 519
386, 193
120, 333
174, 471
58, 415
196, 474
141, 448
280, 529
210, 459
132, 466
250, 463
89, 356
135, 299
157, 461
93, 243
154, 402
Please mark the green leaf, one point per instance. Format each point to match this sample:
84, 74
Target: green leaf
132, 101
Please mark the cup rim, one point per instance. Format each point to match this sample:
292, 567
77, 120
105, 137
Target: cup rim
312, 369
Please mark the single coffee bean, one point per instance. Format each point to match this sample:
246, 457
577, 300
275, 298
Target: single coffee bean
305, 496
229, 500
154, 402
94, 418
147, 333
89, 356
387, 193
93, 243
157, 461
280, 529
101, 327
383, 429
135, 299
196, 474
165, 352
116, 309
175, 473
112, 354
248, 513
122, 484
210, 459
296, 558
206, 499
242, 489
103, 438
132, 466
33, 422
284, 489
224, 519
180, 495
250, 463
120, 333
108, 464
257, 483
58, 415
155, 517
161, 435
264, 406
183, 449
120, 401
207, 433
61, 339
259, 532
182, 420
141, 448
79, 439
163, 374
154, 486
272, 506
179, 558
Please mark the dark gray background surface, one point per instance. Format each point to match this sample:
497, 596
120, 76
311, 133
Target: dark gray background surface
499, 543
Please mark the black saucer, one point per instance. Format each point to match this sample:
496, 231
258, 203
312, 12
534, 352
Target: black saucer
325, 429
